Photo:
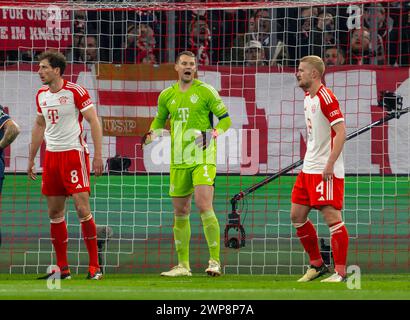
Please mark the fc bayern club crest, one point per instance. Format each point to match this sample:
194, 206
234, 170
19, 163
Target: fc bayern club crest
63, 100
313, 108
194, 98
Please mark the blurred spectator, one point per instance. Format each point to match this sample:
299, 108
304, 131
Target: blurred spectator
325, 21
88, 49
140, 44
405, 52
200, 37
325, 30
236, 54
264, 29
280, 56
385, 41
79, 31
225, 26
261, 30
307, 18
254, 54
300, 42
129, 36
360, 51
27, 55
8, 57
3, 58
334, 56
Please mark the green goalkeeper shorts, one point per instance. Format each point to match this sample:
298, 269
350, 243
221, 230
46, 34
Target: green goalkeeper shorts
183, 181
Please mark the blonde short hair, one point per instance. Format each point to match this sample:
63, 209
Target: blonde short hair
316, 62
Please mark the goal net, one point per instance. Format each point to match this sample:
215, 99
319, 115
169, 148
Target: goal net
123, 53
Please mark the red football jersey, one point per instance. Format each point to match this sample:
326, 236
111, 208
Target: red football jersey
62, 112
321, 112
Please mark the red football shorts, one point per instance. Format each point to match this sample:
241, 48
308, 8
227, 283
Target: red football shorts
310, 190
65, 173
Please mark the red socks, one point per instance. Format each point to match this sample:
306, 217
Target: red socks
308, 236
340, 243
90, 238
59, 238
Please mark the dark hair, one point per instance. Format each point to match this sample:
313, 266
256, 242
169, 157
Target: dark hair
55, 59
337, 48
185, 53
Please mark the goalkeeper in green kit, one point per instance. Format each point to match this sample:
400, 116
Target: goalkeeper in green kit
189, 104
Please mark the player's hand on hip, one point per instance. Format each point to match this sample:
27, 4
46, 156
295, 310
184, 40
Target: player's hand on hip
204, 138
98, 166
31, 170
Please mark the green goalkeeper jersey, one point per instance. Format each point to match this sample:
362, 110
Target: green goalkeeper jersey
189, 113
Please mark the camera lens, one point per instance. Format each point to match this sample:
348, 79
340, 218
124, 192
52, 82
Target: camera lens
233, 243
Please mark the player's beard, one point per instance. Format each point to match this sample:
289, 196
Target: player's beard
45, 82
305, 85
187, 79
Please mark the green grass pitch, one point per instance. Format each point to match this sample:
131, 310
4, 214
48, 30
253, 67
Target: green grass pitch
379, 204
202, 287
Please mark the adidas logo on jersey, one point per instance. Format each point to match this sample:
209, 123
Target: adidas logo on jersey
321, 199
79, 186
173, 101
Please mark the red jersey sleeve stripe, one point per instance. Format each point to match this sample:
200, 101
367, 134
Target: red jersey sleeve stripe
78, 90
326, 96
76, 87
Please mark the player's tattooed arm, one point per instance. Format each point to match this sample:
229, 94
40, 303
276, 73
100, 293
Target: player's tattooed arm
11, 131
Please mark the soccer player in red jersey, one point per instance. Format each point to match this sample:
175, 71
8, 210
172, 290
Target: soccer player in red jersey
320, 184
61, 107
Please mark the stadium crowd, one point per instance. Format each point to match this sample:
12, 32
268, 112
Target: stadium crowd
379, 35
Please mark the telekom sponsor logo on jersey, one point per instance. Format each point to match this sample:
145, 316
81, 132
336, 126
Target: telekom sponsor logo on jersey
53, 115
183, 114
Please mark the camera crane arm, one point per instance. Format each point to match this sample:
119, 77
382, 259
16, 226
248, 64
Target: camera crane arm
393, 104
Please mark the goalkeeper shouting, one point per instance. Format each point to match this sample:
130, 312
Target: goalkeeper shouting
189, 104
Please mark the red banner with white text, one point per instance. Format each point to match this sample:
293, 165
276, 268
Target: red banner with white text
38, 28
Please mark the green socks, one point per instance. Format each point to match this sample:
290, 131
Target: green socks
182, 236
212, 233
